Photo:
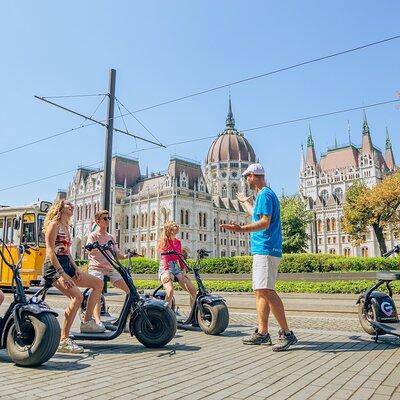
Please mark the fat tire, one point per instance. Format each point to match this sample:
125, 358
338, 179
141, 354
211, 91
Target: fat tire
45, 343
163, 318
367, 327
219, 314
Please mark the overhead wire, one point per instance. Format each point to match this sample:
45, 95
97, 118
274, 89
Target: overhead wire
300, 64
291, 121
82, 125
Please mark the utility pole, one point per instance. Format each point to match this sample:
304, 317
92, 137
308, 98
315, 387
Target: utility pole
105, 201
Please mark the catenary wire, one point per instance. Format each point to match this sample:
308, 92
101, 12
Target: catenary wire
214, 136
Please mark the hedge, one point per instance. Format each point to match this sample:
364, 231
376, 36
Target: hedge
292, 263
351, 287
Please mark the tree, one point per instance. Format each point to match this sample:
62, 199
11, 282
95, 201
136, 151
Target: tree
294, 219
377, 207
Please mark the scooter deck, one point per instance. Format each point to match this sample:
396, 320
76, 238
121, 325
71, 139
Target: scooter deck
392, 328
92, 336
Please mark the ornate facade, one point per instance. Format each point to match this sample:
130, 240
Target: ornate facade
197, 198
323, 185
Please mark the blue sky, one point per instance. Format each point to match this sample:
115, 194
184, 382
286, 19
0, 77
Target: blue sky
167, 49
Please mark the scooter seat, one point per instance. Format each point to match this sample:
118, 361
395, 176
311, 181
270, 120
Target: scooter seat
388, 275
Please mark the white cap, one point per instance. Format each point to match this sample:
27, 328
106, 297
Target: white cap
255, 169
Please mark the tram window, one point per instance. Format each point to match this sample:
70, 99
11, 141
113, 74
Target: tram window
9, 230
28, 229
1, 229
40, 222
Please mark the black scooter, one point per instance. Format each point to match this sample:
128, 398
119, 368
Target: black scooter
29, 329
376, 310
150, 320
208, 311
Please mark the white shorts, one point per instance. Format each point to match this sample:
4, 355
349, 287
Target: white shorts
265, 271
113, 275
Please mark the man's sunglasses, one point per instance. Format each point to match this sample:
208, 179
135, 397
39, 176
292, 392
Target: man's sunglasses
106, 218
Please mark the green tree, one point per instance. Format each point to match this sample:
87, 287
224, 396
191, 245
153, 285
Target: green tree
377, 207
294, 219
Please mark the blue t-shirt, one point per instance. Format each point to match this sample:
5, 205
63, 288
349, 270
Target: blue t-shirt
267, 241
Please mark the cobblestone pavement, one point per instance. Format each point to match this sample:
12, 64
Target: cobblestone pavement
327, 363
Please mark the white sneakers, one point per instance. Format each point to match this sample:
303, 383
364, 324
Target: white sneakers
69, 346
91, 327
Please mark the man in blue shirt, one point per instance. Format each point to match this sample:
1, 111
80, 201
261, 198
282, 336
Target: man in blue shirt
266, 248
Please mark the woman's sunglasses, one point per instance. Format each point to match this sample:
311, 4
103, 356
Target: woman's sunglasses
106, 218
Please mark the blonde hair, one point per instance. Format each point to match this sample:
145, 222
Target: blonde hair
166, 233
54, 213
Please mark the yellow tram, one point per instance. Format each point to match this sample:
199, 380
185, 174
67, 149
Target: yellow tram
23, 224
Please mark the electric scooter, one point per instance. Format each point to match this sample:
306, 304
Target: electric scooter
376, 310
29, 329
151, 321
208, 311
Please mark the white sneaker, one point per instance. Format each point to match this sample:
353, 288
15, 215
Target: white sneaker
91, 327
101, 325
69, 346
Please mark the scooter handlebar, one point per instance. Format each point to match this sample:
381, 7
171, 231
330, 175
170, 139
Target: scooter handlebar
396, 249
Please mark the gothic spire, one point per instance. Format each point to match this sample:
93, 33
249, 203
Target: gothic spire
367, 147
311, 158
230, 121
365, 125
310, 140
388, 142
389, 157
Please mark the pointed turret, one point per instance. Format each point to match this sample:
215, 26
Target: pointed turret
389, 158
230, 121
311, 157
367, 147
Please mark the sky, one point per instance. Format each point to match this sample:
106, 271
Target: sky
163, 50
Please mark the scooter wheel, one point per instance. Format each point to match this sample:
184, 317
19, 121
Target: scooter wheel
163, 321
41, 337
216, 318
362, 317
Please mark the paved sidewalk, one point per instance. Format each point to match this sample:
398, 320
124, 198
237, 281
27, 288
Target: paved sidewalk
196, 366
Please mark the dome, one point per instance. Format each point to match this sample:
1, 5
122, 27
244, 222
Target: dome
230, 145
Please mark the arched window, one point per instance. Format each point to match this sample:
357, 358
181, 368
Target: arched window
364, 251
346, 252
163, 215
332, 251
182, 217
224, 191
153, 219
333, 224
324, 197
234, 190
328, 225
142, 220
338, 193
143, 252
205, 220
133, 221
146, 220
319, 226
200, 219
184, 181
187, 217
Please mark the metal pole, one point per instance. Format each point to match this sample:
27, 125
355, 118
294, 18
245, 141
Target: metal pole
108, 144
